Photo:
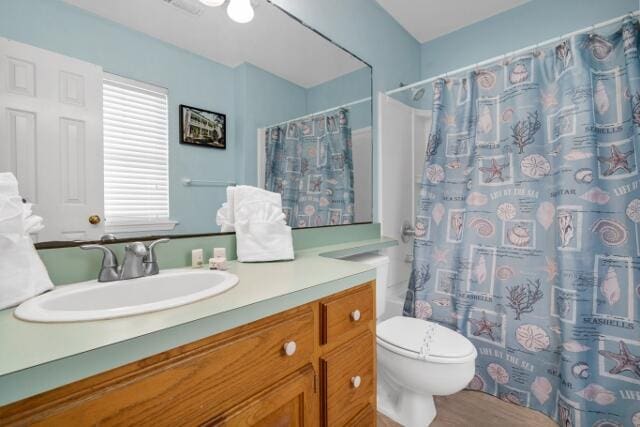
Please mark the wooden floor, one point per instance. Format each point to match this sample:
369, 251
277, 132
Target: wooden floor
472, 408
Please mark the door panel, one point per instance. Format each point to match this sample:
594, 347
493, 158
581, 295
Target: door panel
51, 124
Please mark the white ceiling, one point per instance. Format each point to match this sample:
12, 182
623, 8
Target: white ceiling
272, 41
430, 19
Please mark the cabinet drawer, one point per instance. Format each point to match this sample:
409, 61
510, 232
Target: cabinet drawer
186, 386
348, 380
347, 312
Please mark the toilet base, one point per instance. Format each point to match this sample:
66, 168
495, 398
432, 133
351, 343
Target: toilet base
406, 408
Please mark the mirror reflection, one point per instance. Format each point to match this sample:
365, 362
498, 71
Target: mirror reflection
132, 118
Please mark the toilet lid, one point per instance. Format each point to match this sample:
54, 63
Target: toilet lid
408, 334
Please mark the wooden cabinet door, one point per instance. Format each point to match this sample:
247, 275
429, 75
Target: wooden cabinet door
291, 402
348, 380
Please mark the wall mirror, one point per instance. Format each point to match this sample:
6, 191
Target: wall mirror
132, 117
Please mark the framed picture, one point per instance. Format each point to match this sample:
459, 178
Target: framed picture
202, 127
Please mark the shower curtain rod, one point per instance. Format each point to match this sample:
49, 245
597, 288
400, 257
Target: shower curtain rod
513, 53
350, 104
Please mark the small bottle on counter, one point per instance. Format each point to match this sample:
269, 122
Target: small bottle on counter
197, 258
219, 260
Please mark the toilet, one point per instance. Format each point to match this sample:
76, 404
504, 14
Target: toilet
417, 359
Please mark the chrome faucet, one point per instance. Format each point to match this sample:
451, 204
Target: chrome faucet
133, 264
109, 270
139, 260
150, 260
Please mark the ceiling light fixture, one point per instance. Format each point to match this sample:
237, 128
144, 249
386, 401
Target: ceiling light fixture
212, 3
240, 11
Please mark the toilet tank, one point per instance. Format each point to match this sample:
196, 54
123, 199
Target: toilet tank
381, 264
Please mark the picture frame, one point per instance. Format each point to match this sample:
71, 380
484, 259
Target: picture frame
202, 128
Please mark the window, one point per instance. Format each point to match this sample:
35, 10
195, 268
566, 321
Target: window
136, 158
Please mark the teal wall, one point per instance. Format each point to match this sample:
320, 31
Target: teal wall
531, 23
367, 30
347, 88
262, 99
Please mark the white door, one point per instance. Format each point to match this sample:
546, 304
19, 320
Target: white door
403, 136
51, 137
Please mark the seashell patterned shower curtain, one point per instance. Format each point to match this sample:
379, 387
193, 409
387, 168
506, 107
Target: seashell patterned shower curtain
310, 163
529, 226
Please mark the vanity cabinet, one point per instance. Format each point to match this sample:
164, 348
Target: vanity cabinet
310, 365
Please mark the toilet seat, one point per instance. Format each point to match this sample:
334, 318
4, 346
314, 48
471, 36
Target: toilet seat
406, 336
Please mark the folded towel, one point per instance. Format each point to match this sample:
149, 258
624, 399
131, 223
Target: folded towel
261, 232
12, 220
225, 215
258, 242
22, 273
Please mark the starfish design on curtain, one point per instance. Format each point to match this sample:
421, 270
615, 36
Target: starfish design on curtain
450, 119
495, 171
484, 326
625, 360
440, 256
616, 161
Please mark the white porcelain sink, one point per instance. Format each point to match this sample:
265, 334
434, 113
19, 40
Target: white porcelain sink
93, 300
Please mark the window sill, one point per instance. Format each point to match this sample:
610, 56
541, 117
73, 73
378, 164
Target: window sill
140, 226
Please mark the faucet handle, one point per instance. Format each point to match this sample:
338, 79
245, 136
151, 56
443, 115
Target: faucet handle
109, 258
150, 260
153, 244
109, 268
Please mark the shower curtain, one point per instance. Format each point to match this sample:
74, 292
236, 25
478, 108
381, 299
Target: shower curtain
310, 163
527, 233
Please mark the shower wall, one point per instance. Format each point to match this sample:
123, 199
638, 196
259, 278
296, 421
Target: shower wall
403, 132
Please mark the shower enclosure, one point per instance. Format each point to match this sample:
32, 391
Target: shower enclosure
526, 212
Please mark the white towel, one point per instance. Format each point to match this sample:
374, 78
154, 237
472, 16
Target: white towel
22, 273
225, 215
261, 232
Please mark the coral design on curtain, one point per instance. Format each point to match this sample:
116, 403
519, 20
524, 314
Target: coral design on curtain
528, 229
310, 163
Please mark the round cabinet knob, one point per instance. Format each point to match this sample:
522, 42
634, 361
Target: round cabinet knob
94, 219
355, 315
290, 348
356, 381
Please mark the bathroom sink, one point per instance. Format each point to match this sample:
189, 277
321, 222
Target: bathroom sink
93, 300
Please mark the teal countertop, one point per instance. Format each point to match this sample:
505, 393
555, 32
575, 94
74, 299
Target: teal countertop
41, 356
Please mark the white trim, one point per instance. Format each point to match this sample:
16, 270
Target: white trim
138, 226
135, 84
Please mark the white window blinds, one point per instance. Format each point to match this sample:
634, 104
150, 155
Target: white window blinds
136, 158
